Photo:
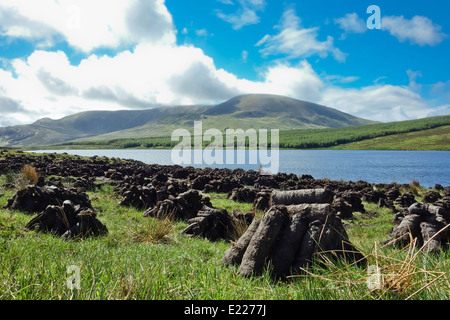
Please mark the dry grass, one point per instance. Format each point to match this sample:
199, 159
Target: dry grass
157, 229
399, 274
29, 174
415, 190
239, 228
415, 187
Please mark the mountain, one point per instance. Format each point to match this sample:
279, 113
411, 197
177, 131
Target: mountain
258, 111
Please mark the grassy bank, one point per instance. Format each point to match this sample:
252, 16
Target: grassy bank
132, 263
330, 138
432, 139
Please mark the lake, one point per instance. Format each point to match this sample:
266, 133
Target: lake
427, 167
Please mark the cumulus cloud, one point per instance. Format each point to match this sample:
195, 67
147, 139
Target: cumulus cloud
87, 25
299, 81
55, 85
8, 105
14, 23
138, 78
11, 111
351, 23
200, 82
150, 21
379, 102
418, 30
295, 41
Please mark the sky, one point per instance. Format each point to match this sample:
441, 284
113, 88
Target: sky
379, 60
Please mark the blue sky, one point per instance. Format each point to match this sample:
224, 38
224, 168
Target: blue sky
67, 56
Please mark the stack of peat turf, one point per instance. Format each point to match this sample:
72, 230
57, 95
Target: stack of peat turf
295, 230
425, 223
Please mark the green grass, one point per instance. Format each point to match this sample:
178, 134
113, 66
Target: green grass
125, 265
373, 225
220, 200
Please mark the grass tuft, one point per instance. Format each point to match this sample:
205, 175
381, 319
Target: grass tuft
29, 174
239, 228
157, 229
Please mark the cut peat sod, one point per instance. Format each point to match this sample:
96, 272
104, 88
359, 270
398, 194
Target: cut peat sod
288, 236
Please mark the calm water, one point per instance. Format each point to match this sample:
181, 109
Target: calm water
428, 167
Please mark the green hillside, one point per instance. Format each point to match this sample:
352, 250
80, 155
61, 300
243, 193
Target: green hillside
422, 134
328, 138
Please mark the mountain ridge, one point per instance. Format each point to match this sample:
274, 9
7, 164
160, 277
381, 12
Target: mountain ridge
245, 111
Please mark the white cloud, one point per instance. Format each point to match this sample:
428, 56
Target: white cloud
351, 23
378, 102
244, 55
87, 25
202, 32
418, 30
140, 78
226, 1
299, 81
9, 105
412, 75
245, 15
298, 42
340, 79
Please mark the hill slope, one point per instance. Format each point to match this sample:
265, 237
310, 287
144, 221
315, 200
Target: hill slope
246, 111
257, 111
431, 133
